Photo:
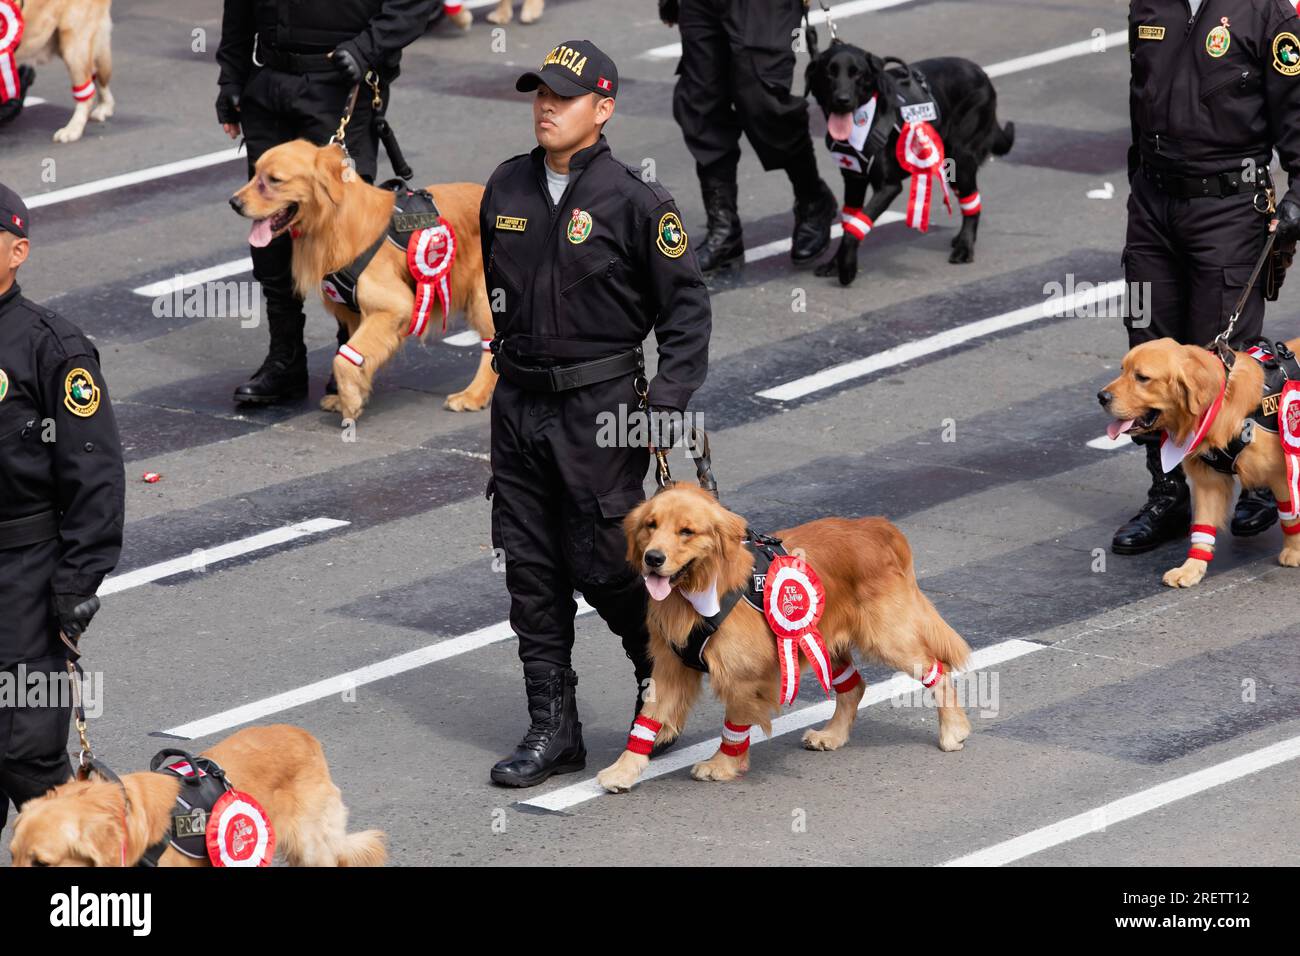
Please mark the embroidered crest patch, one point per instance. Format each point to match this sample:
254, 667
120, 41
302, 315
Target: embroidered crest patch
4, 384
80, 393
579, 226
1286, 54
671, 239
1218, 40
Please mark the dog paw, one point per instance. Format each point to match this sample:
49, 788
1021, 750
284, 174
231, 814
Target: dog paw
719, 768
500, 17
464, 19
69, 134
330, 403
465, 401
1185, 576
823, 740
827, 268
101, 112
952, 734
1289, 558
962, 253
618, 777
848, 271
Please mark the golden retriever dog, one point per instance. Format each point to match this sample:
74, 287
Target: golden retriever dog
1164, 386
530, 12
334, 216
85, 822
79, 32
682, 540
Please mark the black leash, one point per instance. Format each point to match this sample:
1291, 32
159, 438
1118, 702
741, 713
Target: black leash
383, 131
1220, 342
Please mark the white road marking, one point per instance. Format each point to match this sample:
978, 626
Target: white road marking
227, 155
780, 246
188, 279
204, 558
674, 760
430, 654
464, 339
910, 351
32, 101
1106, 443
1056, 54
817, 16
1117, 811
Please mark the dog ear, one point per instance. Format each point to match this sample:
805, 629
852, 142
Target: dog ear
631, 528
812, 74
728, 532
328, 181
1198, 378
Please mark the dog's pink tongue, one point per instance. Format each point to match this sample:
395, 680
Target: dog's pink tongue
260, 234
839, 125
1119, 427
658, 586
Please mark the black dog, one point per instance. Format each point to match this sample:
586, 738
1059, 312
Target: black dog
844, 77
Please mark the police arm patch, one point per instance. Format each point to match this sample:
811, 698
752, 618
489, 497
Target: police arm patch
671, 237
1286, 54
80, 393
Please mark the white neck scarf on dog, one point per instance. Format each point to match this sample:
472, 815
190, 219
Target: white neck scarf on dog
705, 602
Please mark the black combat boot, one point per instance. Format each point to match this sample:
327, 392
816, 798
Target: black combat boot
11, 110
723, 244
813, 214
553, 743
1167, 514
282, 377
1256, 511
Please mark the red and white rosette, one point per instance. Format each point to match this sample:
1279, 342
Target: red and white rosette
429, 255
11, 34
1288, 418
793, 601
920, 152
239, 832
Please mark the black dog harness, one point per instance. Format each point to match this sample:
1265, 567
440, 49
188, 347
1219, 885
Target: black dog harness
902, 96
413, 210
1280, 365
202, 784
764, 549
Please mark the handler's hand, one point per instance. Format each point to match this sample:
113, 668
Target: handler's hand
668, 12
665, 426
1288, 221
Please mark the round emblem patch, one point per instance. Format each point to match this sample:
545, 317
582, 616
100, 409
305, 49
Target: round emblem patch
579, 226
80, 393
1218, 40
672, 237
4, 384
1288, 418
1286, 54
239, 833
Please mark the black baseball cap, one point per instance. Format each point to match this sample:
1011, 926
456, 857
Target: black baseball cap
573, 68
13, 212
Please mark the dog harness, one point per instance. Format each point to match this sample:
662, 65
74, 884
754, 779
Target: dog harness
1280, 366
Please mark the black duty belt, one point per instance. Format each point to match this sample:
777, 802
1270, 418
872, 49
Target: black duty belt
33, 529
287, 61
1216, 185
562, 378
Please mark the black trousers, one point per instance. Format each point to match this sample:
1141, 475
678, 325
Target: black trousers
734, 75
278, 107
33, 739
1193, 258
558, 502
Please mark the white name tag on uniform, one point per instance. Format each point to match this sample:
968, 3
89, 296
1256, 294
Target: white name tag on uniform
919, 112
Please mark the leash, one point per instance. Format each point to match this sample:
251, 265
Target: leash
1220, 342
697, 443
810, 31
383, 131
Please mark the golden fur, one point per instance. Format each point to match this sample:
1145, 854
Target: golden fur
1180, 382
79, 31
283, 768
338, 216
873, 606
530, 12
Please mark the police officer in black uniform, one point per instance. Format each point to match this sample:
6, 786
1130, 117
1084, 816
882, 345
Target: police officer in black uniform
61, 502
583, 257
1215, 89
734, 75
288, 68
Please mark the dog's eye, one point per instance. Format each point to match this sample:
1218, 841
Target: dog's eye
37, 861
1142, 379
651, 526
274, 180
686, 532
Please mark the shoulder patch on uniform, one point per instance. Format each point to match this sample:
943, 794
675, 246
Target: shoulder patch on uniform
80, 393
1286, 53
4, 384
671, 237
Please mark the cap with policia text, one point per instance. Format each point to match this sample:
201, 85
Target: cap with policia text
13, 212
573, 68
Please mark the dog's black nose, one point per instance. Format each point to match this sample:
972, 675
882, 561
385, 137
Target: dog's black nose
1104, 397
654, 559
237, 204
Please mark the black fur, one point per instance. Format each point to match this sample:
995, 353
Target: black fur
844, 76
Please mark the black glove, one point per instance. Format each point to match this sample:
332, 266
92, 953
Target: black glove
665, 427
346, 62
228, 105
668, 11
1288, 221
74, 612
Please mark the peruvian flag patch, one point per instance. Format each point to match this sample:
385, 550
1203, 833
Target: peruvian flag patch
11, 34
793, 601
1288, 418
429, 255
239, 832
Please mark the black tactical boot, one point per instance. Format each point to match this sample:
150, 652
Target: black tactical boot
724, 243
660, 746
1166, 515
553, 743
11, 110
1256, 511
813, 215
282, 377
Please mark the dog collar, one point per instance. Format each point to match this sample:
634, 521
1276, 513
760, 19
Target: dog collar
1171, 452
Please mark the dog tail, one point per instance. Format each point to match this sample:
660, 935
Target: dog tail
941, 640
363, 849
1005, 138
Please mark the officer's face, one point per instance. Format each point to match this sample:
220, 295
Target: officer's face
563, 122
13, 253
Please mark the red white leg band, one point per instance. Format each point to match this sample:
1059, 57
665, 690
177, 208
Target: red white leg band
856, 223
1202, 547
453, 8
487, 345
85, 91
352, 355
1286, 510
735, 738
846, 678
970, 205
933, 674
642, 738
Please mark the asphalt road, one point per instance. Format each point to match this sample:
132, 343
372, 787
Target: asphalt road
1100, 682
